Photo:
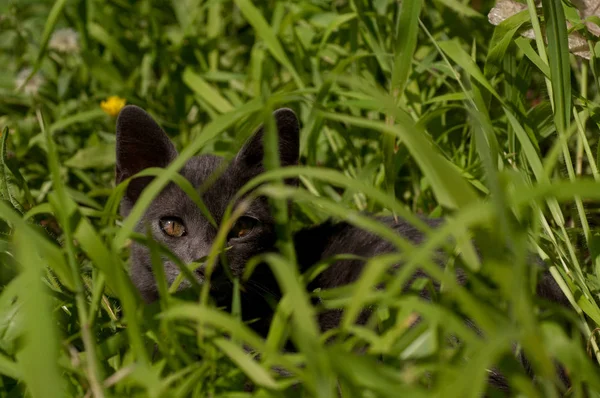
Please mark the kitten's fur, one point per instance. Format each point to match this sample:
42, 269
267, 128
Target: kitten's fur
141, 143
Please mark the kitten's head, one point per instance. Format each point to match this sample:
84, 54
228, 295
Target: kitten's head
173, 218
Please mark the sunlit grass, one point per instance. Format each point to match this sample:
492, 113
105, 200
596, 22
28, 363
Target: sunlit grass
411, 109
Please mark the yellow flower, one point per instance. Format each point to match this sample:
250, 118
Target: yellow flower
113, 105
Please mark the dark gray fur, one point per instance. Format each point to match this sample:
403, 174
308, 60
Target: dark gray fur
141, 143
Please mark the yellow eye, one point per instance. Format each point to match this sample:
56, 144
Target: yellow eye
243, 227
172, 226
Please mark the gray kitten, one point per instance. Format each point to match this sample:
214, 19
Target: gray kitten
176, 222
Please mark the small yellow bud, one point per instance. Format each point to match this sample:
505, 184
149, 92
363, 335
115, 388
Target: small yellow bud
113, 105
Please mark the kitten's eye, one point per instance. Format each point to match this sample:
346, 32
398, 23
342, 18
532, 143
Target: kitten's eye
172, 226
243, 227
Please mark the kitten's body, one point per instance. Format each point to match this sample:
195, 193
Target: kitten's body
142, 144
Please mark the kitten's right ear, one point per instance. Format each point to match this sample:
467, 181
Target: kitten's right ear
141, 144
288, 129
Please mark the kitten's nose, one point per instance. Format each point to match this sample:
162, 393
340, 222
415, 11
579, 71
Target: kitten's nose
201, 264
196, 253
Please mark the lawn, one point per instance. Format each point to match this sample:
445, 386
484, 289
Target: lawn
406, 108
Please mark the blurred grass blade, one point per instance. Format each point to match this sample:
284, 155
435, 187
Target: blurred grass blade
66, 212
460, 8
305, 329
477, 368
5, 188
562, 191
336, 178
206, 91
9, 368
252, 369
279, 208
186, 187
373, 270
112, 44
97, 251
265, 32
214, 30
38, 357
52, 253
334, 25
222, 320
371, 35
81, 117
51, 22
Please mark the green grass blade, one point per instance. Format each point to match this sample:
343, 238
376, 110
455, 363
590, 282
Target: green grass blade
9, 368
265, 32
460, 8
38, 357
558, 60
5, 188
256, 373
503, 36
206, 91
451, 190
525, 46
111, 43
81, 117
51, 22
464, 60
406, 42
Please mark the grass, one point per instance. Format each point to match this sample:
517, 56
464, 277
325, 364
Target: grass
418, 108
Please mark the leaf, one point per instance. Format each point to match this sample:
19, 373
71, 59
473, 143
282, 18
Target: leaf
99, 156
81, 117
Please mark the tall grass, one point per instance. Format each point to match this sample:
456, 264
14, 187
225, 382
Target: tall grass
406, 107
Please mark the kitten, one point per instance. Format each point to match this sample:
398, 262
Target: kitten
175, 221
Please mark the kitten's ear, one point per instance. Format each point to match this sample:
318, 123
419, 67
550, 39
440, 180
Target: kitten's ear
141, 144
288, 128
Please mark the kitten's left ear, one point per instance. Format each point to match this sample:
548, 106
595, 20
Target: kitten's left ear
288, 129
141, 144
